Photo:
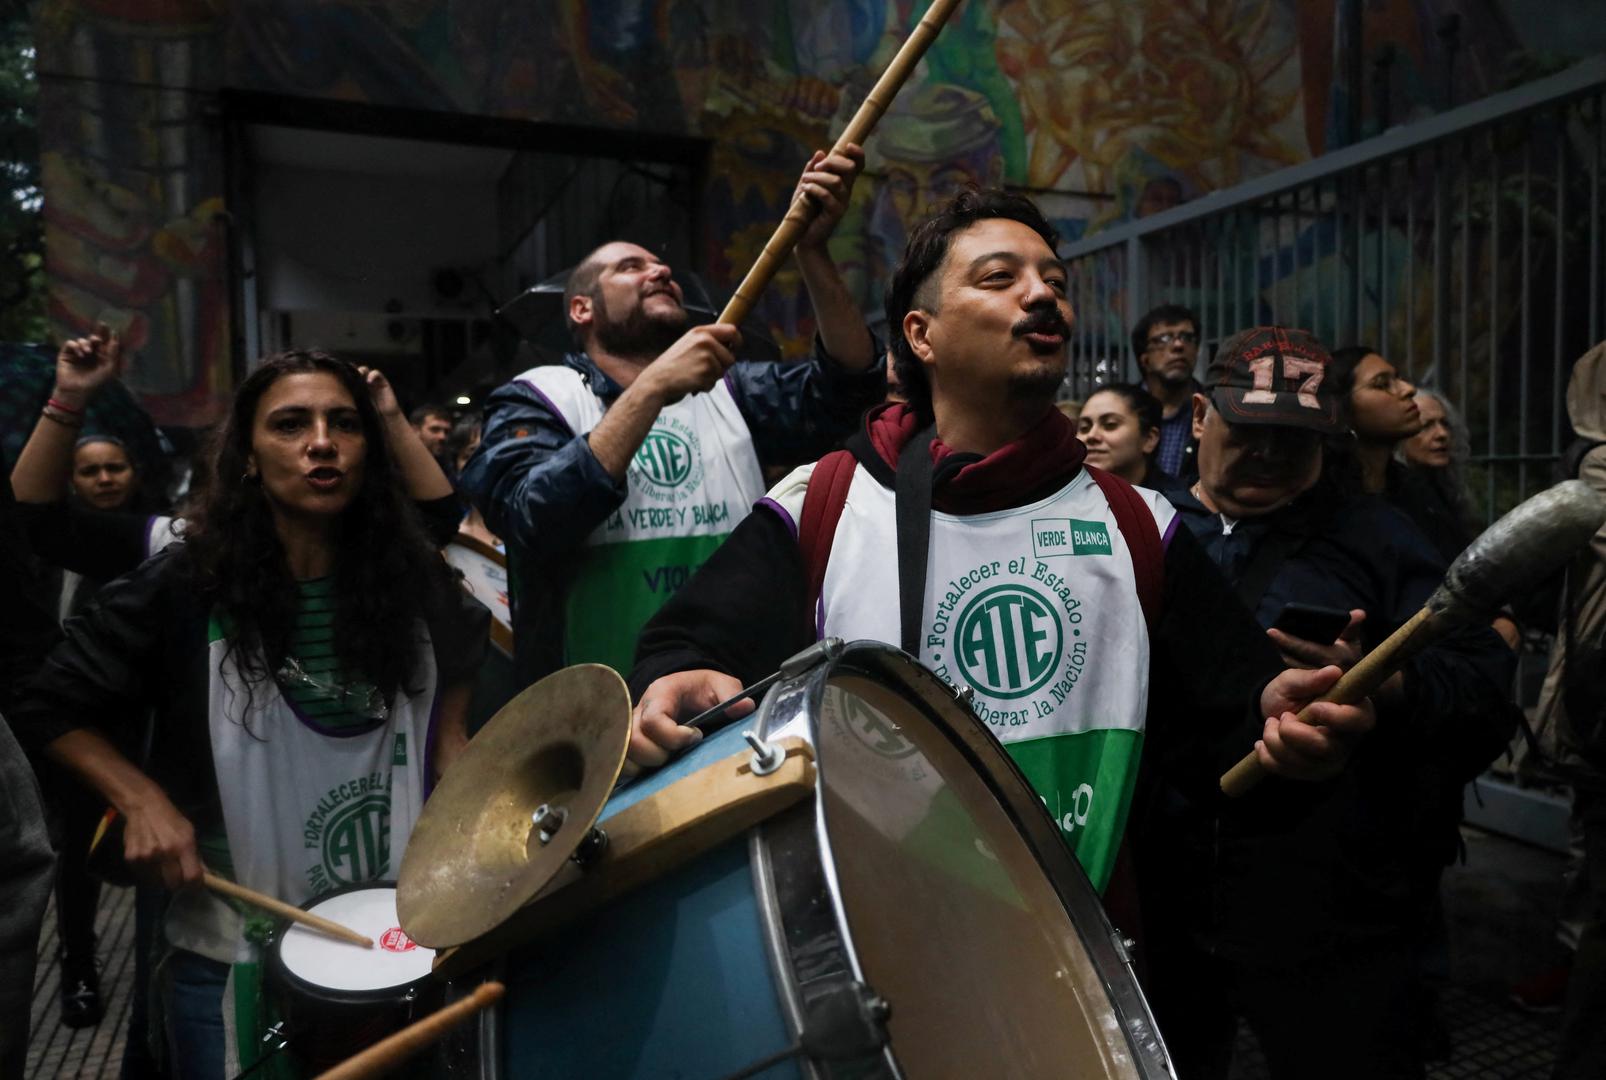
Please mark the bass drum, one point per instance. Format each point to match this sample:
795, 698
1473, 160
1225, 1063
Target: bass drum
918, 916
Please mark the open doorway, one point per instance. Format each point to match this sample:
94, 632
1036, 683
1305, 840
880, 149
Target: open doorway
394, 239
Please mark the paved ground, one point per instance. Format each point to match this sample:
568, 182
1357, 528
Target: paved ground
1499, 906
92, 1052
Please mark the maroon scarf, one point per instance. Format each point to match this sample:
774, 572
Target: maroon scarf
1043, 460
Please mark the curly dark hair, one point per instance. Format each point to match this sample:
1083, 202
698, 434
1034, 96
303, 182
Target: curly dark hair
387, 573
924, 255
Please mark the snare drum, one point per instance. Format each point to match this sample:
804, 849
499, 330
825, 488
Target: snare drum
917, 915
336, 998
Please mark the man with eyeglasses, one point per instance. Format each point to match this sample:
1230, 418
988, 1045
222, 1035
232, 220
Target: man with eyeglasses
1166, 342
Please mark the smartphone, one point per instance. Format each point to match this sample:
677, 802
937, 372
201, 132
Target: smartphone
1312, 622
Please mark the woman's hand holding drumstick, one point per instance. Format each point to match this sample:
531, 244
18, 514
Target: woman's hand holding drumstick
225, 887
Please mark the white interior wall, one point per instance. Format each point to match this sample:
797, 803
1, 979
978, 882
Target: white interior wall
344, 241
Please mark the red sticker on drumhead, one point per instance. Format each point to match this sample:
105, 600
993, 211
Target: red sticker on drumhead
394, 940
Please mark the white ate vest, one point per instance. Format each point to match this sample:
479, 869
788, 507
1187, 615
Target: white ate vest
1036, 609
694, 478
306, 811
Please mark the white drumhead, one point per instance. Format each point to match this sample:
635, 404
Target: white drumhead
317, 958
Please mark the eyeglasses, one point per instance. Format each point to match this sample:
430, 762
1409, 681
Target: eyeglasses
1160, 341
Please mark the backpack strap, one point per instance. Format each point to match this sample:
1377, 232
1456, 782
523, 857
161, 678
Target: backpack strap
826, 495
912, 500
1142, 535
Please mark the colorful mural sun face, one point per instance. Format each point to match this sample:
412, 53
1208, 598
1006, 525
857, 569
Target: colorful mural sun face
1202, 88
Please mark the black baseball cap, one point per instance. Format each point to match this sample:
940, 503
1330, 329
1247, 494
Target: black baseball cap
1275, 375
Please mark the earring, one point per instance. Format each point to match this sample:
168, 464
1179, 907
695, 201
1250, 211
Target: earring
249, 476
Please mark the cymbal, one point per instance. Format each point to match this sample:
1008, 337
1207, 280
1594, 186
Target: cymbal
476, 855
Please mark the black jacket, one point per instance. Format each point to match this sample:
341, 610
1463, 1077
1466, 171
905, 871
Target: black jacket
543, 491
1359, 865
103, 544
142, 644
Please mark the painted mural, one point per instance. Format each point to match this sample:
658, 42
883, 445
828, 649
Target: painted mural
1109, 109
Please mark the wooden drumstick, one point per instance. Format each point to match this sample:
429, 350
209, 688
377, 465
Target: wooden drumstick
1358, 683
284, 910
802, 210
1516, 552
391, 1051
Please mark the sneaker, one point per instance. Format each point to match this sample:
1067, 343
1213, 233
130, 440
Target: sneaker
81, 1003
1541, 993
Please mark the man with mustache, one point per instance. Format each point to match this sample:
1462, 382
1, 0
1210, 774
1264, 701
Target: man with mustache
1362, 866
613, 475
1093, 633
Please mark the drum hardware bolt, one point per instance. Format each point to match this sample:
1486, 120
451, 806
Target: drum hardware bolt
766, 757
548, 820
879, 1008
590, 849
967, 694
1124, 946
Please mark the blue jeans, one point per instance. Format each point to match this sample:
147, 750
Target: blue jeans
192, 989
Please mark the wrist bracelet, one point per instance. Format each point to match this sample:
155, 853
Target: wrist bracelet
50, 412
54, 404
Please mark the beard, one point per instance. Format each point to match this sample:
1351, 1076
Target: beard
1036, 383
638, 334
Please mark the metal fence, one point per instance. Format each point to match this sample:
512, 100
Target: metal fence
1466, 248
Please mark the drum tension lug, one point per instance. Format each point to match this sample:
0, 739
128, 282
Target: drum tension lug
845, 1021
1124, 946
590, 849
825, 649
767, 757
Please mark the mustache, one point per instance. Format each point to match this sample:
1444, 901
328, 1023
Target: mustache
1045, 320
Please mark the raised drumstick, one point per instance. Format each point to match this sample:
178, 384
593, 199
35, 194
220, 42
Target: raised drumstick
284, 910
392, 1050
802, 210
1522, 548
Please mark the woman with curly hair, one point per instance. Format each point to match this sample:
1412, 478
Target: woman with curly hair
308, 658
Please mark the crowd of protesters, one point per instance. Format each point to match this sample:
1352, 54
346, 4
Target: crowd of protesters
206, 667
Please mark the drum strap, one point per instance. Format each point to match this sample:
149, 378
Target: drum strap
912, 491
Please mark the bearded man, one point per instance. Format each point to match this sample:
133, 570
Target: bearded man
613, 475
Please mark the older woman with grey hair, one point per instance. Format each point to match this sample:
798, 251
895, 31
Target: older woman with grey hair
1438, 456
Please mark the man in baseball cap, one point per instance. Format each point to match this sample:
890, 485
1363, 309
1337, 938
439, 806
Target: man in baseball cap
1261, 421
1283, 536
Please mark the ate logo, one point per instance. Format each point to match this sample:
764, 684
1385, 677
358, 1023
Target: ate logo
665, 458
396, 940
356, 841
1009, 641
872, 727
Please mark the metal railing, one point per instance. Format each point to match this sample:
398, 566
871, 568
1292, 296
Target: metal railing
1467, 248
